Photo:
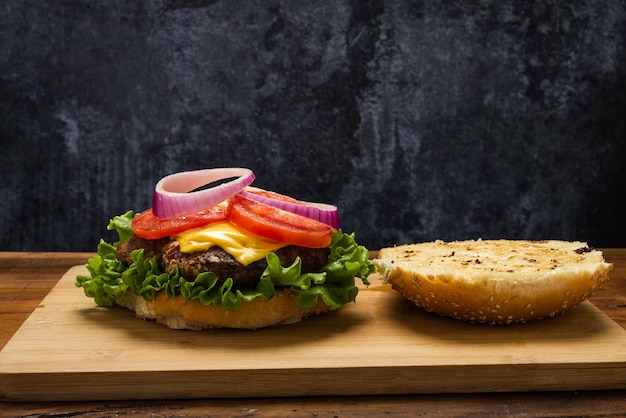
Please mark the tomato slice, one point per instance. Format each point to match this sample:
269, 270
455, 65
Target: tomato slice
147, 226
277, 224
272, 195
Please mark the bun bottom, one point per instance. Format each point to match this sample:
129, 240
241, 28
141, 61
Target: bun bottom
180, 313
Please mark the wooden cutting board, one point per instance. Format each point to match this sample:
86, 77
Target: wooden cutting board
70, 349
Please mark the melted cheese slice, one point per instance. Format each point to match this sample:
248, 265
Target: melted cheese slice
244, 247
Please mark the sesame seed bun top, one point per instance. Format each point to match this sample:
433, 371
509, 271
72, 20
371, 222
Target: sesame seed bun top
494, 281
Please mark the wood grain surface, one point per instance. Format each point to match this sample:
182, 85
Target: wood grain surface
25, 279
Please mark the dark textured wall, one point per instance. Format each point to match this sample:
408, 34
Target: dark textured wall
419, 119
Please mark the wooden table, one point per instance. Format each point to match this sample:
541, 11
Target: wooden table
26, 278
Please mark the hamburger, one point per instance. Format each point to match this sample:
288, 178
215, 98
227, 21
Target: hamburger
226, 256
494, 281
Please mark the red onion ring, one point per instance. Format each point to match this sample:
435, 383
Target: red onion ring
321, 212
173, 196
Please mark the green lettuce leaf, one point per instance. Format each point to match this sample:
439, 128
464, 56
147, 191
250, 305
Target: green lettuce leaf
122, 224
335, 283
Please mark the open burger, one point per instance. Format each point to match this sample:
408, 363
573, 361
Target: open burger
226, 256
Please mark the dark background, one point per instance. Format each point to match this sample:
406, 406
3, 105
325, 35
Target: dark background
420, 120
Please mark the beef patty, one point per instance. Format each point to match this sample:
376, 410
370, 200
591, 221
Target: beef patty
219, 261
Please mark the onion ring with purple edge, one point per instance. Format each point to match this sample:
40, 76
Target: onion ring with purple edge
321, 212
173, 195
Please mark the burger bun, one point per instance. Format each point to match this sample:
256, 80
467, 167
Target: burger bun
179, 313
494, 281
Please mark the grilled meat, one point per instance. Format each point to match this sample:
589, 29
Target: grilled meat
219, 261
